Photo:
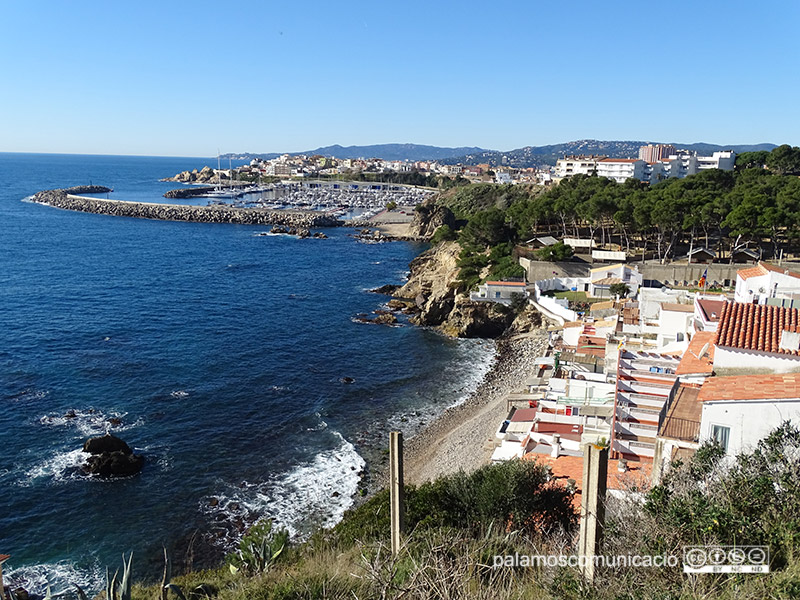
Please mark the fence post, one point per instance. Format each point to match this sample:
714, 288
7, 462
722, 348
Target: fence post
595, 473
396, 491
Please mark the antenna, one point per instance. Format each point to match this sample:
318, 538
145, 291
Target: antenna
703, 351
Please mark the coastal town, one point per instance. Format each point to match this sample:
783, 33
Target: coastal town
655, 162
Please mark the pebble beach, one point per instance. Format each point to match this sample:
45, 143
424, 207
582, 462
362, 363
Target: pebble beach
457, 439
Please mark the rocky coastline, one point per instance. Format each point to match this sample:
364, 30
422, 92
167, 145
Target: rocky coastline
68, 200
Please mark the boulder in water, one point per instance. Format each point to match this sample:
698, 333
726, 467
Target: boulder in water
111, 457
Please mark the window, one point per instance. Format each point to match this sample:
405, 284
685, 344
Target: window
721, 434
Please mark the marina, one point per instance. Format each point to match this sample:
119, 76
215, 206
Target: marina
341, 199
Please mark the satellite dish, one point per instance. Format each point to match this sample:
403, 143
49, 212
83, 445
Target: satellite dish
703, 350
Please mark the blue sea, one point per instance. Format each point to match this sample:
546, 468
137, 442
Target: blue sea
221, 354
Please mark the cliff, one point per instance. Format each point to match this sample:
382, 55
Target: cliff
430, 295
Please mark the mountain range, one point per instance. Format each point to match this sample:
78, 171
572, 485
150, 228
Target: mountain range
529, 156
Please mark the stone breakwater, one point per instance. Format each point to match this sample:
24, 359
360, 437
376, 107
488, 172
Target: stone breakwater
175, 212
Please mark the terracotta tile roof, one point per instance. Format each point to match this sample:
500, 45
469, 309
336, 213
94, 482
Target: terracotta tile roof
762, 269
595, 346
687, 308
711, 309
756, 327
514, 283
608, 280
692, 362
751, 387
751, 272
571, 467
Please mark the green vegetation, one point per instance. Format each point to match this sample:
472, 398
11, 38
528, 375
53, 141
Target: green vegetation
467, 201
259, 549
557, 252
391, 205
619, 289
723, 210
458, 527
443, 234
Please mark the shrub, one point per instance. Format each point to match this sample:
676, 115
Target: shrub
557, 252
619, 289
514, 494
443, 234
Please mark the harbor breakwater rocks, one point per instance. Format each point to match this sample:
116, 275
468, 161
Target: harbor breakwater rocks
67, 200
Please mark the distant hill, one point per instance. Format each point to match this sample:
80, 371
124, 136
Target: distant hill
537, 156
529, 156
384, 151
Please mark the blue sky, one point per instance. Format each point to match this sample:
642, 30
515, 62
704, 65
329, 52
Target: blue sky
187, 78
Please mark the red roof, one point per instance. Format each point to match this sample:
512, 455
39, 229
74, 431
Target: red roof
711, 309
756, 327
762, 269
695, 363
524, 414
751, 387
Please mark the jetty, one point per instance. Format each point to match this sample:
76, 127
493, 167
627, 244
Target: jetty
68, 199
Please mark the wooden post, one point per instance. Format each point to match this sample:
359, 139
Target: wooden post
396, 492
593, 499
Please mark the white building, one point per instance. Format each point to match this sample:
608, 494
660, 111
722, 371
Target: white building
602, 278
621, 169
739, 411
499, 291
577, 165
763, 282
677, 165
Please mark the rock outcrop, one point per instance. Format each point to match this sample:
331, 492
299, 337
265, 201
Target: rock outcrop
428, 217
432, 290
111, 457
300, 220
430, 297
205, 175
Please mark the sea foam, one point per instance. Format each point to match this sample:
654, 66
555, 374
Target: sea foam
313, 494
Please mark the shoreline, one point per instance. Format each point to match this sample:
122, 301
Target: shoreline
455, 440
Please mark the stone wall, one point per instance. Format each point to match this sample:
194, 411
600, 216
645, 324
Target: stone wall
176, 212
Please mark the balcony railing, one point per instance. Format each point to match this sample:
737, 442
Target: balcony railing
676, 428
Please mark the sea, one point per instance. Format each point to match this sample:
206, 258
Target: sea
220, 355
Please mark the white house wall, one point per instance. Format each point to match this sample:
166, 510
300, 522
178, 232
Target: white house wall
734, 358
749, 421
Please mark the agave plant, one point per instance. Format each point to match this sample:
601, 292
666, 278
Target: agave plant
259, 548
120, 590
201, 591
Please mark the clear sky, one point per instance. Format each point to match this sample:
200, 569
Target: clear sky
179, 78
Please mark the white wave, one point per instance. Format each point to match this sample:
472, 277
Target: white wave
90, 422
179, 394
61, 466
316, 493
479, 367
60, 576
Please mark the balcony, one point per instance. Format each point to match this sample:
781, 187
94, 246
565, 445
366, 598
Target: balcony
685, 430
